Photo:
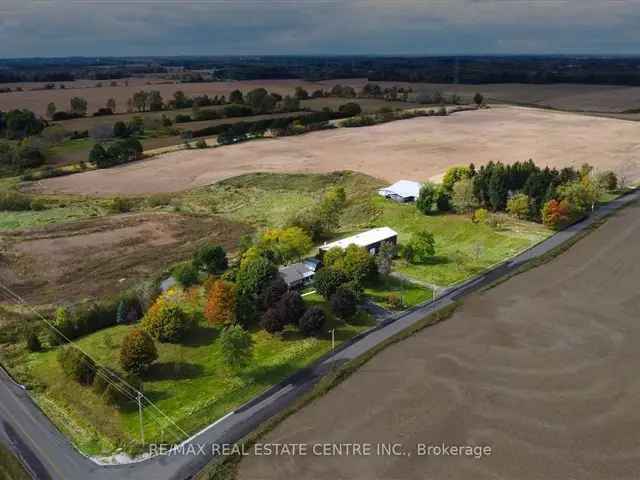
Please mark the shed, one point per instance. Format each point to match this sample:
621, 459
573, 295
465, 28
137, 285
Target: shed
402, 191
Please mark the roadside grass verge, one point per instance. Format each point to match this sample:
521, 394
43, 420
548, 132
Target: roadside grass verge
190, 382
410, 294
227, 467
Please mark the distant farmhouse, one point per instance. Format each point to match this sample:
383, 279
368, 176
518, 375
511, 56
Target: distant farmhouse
403, 191
298, 275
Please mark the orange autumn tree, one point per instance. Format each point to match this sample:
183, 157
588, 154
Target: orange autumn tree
221, 303
556, 214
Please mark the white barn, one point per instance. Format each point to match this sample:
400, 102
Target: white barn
402, 191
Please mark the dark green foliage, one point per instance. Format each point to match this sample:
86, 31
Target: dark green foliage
274, 292
291, 307
343, 303
22, 123
231, 111
33, 342
14, 201
350, 109
272, 321
76, 365
120, 130
254, 275
211, 259
443, 199
246, 311
185, 274
426, 198
120, 152
327, 280
312, 322
478, 98
236, 97
498, 189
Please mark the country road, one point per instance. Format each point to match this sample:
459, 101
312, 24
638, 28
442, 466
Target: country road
50, 456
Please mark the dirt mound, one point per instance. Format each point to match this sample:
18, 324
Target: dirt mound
98, 257
414, 149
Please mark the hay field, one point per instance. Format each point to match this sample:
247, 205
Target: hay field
418, 149
37, 100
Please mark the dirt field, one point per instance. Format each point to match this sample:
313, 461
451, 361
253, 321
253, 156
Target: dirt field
415, 149
38, 100
102, 256
540, 368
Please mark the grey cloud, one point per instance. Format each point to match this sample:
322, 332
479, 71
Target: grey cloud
66, 27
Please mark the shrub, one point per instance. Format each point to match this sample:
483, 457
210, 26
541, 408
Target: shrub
246, 311
236, 345
421, 247
350, 109
137, 352
166, 321
343, 303
327, 280
64, 324
211, 258
453, 176
221, 304
608, 180
394, 301
159, 200
443, 199
120, 205
480, 215
14, 201
272, 321
291, 307
312, 322
519, 206
38, 204
76, 365
201, 143
33, 342
426, 198
185, 274
463, 198
116, 388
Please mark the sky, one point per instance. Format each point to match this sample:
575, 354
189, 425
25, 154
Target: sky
386, 27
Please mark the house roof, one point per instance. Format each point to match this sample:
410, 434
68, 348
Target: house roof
296, 272
402, 188
363, 239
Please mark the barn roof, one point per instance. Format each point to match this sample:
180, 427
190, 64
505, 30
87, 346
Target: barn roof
363, 239
402, 188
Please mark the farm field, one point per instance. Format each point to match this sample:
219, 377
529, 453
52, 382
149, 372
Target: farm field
533, 368
416, 149
101, 256
38, 100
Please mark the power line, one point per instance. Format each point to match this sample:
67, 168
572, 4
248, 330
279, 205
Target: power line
98, 368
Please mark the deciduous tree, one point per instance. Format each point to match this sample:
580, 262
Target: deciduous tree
221, 303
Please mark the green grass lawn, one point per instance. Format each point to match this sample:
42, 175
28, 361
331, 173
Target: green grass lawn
40, 218
463, 248
189, 382
10, 466
410, 293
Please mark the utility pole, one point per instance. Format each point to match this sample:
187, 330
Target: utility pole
333, 339
140, 415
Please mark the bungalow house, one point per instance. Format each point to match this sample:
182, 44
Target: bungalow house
403, 191
370, 240
298, 275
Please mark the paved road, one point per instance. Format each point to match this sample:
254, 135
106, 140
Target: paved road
47, 452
